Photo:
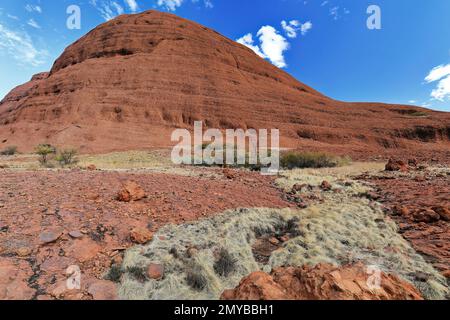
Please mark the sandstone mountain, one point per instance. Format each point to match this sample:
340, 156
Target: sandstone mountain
129, 82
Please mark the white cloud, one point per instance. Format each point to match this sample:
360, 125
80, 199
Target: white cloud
13, 17
172, 5
292, 27
442, 74
33, 24
208, 4
118, 7
108, 9
438, 73
248, 41
273, 45
442, 92
132, 4
20, 46
334, 12
35, 8
306, 27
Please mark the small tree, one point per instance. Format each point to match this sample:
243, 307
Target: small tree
44, 151
67, 157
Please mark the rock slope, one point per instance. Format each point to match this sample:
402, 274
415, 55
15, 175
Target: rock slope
129, 82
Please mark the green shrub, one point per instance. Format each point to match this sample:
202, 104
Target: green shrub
67, 157
45, 151
9, 151
295, 159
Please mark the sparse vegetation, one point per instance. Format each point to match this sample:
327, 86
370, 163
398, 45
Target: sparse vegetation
411, 112
226, 264
337, 230
238, 162
45, 151
294, 159
196, 280
67, 157
114, 274
289, 227
9, 151
137, 273
418, 114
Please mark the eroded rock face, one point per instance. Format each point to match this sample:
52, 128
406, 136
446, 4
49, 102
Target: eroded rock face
322, 282
129, 82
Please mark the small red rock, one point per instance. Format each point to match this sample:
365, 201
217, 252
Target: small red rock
396, 165
401, 211
443, 212
130, 191
274, 241
326, 186
155, 271
426, 216
141, 235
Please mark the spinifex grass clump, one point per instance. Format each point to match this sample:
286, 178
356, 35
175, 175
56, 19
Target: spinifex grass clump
225, 264
295, 159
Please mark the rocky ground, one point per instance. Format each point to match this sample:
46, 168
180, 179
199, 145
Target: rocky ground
179, 233
50, 220
418, 199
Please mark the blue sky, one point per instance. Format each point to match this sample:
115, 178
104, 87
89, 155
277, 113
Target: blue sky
323, 43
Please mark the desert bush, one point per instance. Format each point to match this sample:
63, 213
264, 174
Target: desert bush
114, 274
253, 167
196, 280
45, 151
67, 157
9, 151
226, 264
294, 159
138, 273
